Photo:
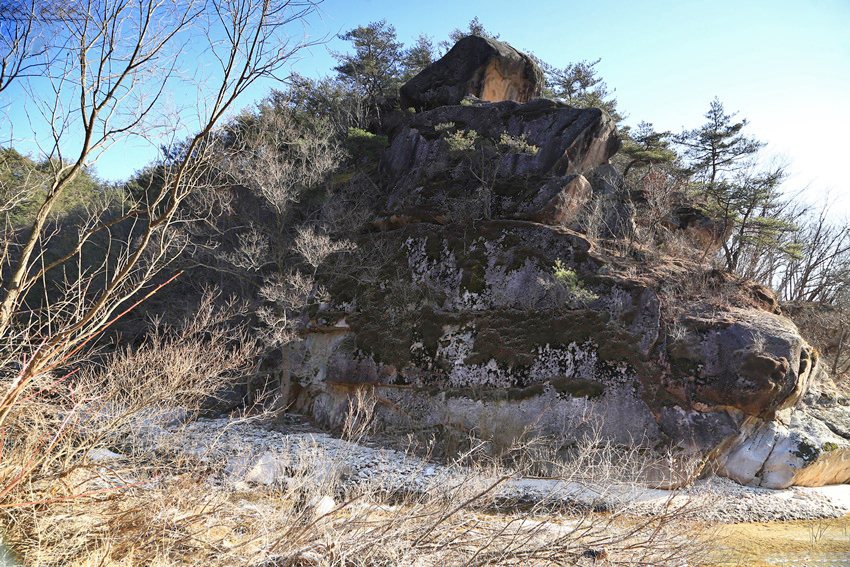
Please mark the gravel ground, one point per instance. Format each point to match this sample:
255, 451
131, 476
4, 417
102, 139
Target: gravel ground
247, 453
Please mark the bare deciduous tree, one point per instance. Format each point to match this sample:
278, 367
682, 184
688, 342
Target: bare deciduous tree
103, 75
818, 270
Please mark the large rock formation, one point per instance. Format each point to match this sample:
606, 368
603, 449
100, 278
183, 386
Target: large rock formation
459, 320
485, 68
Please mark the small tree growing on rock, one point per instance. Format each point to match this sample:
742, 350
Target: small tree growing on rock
484, 156
374, 69
646, 148
743, 197
572, 285
717, 147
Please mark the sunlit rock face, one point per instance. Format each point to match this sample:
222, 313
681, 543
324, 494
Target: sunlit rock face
458, 321
799, 448
488, 69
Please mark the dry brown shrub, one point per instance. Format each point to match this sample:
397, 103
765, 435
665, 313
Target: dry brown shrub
66, 422
161, 508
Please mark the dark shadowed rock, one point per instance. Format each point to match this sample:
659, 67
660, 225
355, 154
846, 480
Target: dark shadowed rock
557, 202
752, 361
426, 177
486, 68
708, 233
614, 211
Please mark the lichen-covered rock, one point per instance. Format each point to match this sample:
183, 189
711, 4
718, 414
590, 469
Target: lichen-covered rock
496, 343
486, 68
473, 331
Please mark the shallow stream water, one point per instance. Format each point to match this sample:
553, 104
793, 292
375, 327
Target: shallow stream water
828, 559
7, 558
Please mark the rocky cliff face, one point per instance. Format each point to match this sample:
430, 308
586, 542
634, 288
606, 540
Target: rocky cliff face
425, 178
468, 325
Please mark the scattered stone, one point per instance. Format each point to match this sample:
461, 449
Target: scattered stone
321, 506
267, 469
711, 499
101, 454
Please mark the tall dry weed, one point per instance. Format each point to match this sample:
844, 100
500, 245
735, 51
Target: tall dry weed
173, 506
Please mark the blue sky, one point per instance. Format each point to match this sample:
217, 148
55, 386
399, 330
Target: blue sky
784, 65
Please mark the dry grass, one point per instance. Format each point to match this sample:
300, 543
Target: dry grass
156, 507
51, 483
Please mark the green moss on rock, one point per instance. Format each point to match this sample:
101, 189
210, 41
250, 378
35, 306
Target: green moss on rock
808, 453
473, 277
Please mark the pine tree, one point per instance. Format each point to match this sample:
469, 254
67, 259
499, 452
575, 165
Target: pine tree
646, 147
418, 57
743, 197
751, 208
717, 147
374, 69
580, 86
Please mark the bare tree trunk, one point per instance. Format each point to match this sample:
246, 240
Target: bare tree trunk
285, 383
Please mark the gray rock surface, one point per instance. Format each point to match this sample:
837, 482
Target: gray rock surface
486, 68
558, 202
773, 454
425, 176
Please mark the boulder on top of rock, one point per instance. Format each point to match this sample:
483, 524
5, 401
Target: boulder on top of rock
488, 69
708, 233
753, 361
